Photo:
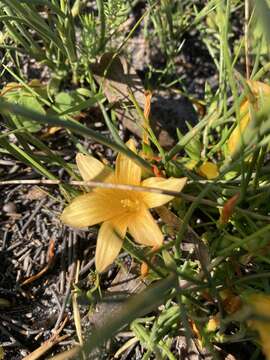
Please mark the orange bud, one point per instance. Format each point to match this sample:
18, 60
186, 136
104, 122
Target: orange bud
228, 209
146, 112
144, 265
156, 171
144, 269
196, 332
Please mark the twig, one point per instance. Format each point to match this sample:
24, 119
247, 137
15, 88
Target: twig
92, 184
34, 213
87, 267
125, 187
47, 345
63, 266
62, 311
103, 185
7, 333
71, 268
46, 268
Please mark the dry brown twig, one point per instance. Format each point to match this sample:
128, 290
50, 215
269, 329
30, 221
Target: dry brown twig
103, 185
46, 268
47, 345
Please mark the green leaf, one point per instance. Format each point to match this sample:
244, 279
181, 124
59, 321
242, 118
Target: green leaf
64, 99
193, 148
72, 103
137, 306
30, 103
15, 94
84, 92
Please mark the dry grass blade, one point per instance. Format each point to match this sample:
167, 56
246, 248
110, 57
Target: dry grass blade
77, 318
127, 345
76, 311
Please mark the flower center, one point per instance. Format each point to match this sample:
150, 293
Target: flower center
130, 205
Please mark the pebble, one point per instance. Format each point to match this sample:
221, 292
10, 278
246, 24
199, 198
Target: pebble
10, 207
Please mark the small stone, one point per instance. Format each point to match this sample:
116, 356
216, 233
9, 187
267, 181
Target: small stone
10, 207
35, 193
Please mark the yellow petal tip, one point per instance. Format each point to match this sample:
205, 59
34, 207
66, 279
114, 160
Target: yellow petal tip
208, 170
131, 145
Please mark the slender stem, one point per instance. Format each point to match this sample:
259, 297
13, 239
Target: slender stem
246, 29
102, 19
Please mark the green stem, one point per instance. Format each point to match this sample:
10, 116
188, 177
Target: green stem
102, 19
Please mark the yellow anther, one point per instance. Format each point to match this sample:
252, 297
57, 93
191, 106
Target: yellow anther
130, 205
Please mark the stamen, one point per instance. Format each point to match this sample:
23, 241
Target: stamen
130, 205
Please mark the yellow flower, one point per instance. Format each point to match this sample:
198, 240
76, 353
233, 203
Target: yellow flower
213, 323
260, 91
208, 170
235, 136
119, 211
261, 305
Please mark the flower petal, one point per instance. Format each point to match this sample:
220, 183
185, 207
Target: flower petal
263, 329
126, 170
91, 168
144, 229
208, 170
261, 307
259, 88
235, 139
152, 200
109, 242
260, 303
90, 209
